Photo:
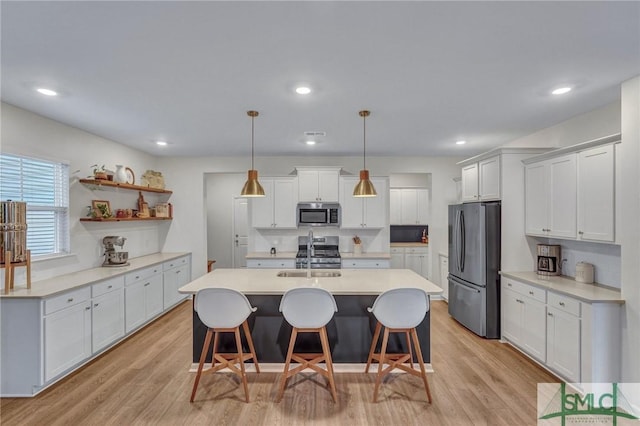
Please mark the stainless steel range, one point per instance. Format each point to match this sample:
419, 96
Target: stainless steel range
324, 253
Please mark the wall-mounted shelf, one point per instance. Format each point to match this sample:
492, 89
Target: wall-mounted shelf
111, 184
122, 219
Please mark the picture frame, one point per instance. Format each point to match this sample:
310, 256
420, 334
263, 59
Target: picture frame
101, 209
162, 210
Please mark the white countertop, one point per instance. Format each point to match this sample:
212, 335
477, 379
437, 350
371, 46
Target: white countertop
352, 281
62, 283
416, 244
590, 293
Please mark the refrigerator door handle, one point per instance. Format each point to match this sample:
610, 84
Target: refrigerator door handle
463, 238
457, 240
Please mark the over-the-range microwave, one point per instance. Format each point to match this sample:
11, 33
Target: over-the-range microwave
318, 214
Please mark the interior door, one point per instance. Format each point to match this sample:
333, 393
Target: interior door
240, 232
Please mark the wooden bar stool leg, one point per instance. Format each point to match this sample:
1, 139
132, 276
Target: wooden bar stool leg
247, 334
216, 339
326, 349
421, 362
374, 342
203, 356
241, 360
406, 335
285, 375
383, 351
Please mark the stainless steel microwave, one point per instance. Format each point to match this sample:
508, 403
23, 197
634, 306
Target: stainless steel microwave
318, 214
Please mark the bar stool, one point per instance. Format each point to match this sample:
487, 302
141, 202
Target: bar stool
308, 310
224, 310
399, 310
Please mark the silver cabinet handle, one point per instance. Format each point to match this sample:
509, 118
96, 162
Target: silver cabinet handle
110, 286
69, 300
580, 232
531, 293
87, 308
146, 284
561, 303
550, 314
95, 304
509, 285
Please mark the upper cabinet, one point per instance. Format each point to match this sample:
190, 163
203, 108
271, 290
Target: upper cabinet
570, 192
277, 209
409, 206
318, 184
481, 180
367, 212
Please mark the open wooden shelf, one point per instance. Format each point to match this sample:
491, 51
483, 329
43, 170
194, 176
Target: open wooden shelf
111, 184
122, 219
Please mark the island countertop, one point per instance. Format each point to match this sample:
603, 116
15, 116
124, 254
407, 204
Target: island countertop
351, 282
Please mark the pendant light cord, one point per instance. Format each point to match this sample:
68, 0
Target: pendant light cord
252, 142
364, 142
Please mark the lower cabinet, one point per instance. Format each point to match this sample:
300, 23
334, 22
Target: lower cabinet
271, 263
563, 344
107, 319
523, 318
144, 300
176, 274
365, 263
418, 259
444, 274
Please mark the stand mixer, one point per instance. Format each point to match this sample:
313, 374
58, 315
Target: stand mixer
111, 256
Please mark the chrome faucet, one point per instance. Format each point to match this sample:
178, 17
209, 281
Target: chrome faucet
309, 252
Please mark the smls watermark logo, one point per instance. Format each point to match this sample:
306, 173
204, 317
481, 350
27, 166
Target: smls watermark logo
585, 404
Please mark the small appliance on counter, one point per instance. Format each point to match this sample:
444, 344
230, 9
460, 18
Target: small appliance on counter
584, 272
548, 261
111, 256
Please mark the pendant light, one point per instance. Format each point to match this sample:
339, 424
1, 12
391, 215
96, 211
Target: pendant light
364, 188
252, 187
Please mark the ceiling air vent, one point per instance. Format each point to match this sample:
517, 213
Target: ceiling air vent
315, 133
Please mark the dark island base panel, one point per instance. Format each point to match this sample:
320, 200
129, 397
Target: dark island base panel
350, 333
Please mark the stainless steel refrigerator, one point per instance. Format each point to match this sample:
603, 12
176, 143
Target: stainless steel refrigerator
474, 263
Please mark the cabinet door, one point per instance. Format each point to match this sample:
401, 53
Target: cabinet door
511, 315
328, 185
536, 198
352, 207
423, 213
271, 263
470, 183
173, 280
596, 183
397, 258
415, 262
534, 328
489, 179
153, 295
108, 319
284, 203
376, 208
444, 273
262, 207
307, 185
395, 207
67, 339
563, 197
409, 209
563, 344
134, 304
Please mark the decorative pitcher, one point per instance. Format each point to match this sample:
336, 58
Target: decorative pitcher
120, 175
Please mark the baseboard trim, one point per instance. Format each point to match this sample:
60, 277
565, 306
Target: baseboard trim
338, 368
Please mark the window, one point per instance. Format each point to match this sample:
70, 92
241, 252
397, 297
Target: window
44, 186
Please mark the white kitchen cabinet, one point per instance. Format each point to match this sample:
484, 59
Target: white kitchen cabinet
277, 209
563, 336
67, 331
107, 319
397, 258
144, 298
271, 263
318, 185
364, 212
444, 274
481, 180
596, 192
470, 183
176, 273
409, 206
418, 259
550, 197
365, 263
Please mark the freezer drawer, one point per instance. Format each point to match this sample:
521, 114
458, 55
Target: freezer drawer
467, 304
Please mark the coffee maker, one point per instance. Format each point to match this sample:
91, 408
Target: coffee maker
111, 256
548, 262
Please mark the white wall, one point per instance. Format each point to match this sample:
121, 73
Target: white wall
29, 134
628, 227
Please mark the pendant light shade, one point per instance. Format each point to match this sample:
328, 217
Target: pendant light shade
252, 187
364, 188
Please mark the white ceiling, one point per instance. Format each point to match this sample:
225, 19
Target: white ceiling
430, 72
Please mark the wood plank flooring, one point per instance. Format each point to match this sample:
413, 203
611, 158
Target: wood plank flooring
145, 380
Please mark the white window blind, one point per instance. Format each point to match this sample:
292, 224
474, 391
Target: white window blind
44, 186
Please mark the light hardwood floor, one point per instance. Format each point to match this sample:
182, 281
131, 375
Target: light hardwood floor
145, 380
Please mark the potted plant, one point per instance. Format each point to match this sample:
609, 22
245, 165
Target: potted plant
99, 172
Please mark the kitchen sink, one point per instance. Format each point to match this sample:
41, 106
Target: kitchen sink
314, 274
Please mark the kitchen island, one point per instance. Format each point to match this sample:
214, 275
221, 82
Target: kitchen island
350, 331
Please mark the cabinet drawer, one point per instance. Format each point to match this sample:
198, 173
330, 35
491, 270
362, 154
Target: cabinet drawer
271, 263
416, 250
142, 274
174, 263
107, 286
366, 264
397, 250
526, 290
67, 299
564, 303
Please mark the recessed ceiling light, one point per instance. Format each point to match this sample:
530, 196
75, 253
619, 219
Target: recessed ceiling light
310, 142
561, 90
303, 90
161, 143
47, 92
460, 142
